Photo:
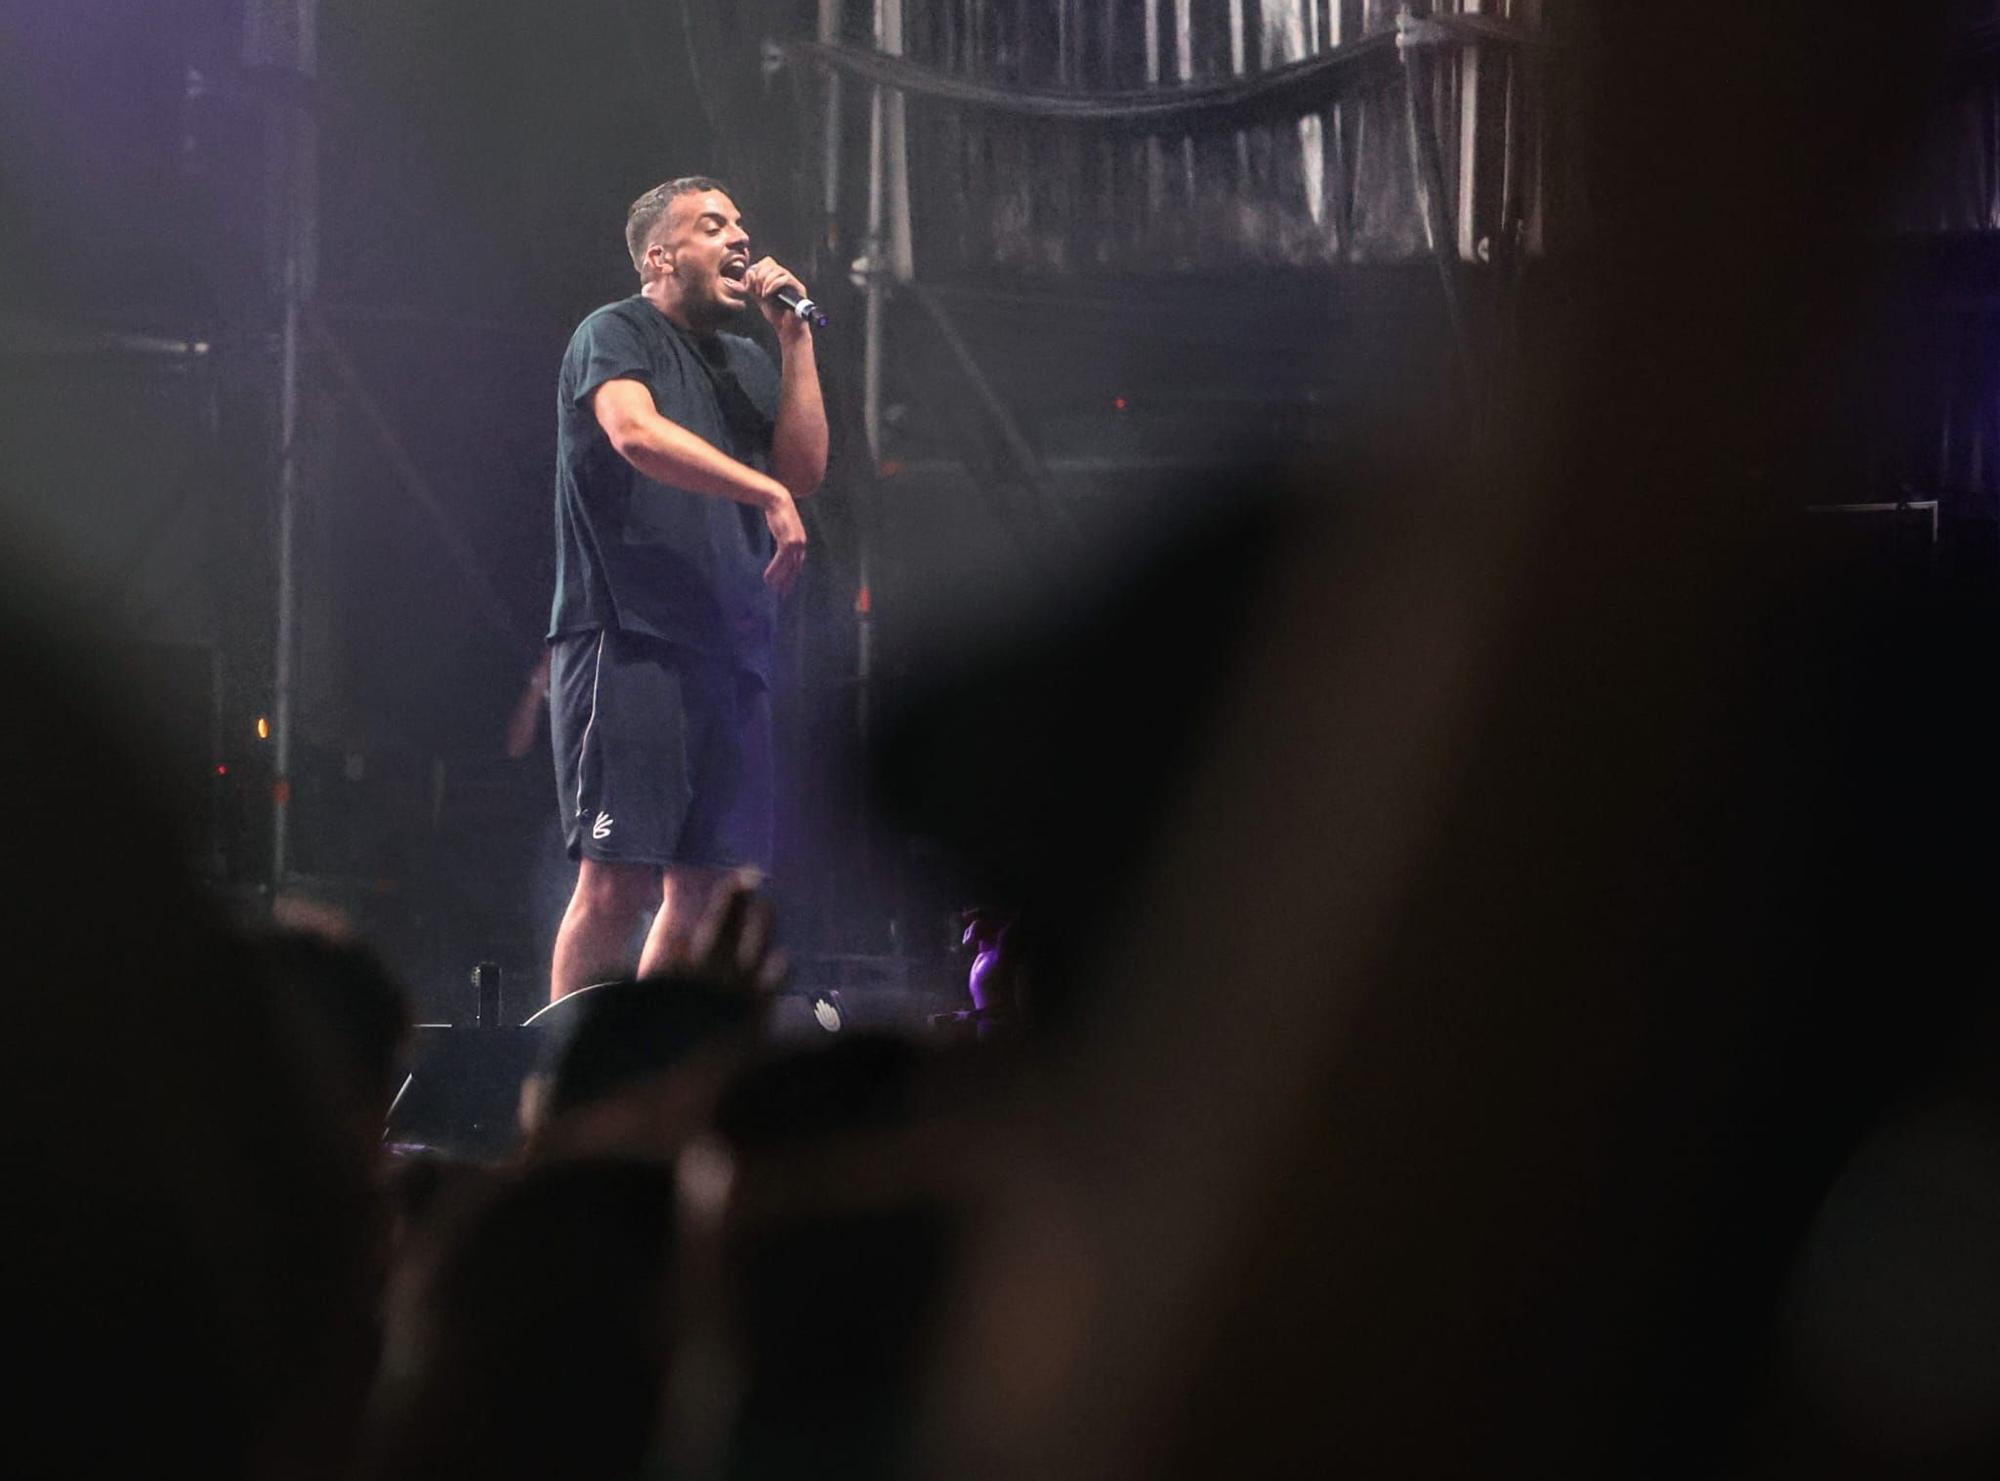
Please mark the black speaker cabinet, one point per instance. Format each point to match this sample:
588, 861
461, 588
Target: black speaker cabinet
463, 1094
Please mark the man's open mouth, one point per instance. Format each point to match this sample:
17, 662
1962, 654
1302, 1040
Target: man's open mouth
733, 271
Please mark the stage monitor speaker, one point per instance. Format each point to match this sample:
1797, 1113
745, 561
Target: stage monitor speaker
463, 1094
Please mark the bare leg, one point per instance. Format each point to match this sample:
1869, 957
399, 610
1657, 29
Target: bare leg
593, 943
684, 895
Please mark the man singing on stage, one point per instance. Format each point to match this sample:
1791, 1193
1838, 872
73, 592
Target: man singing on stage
680, 453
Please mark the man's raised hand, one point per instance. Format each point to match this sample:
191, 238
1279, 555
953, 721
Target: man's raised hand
734, 944
765, 277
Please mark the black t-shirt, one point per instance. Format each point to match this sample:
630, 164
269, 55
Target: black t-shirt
648, 557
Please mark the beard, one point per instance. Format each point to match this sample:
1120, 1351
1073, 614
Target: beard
712, 308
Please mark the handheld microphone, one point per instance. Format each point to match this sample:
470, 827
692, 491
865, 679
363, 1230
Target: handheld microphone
805, 308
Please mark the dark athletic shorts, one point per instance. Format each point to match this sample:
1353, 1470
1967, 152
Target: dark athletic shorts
662, 756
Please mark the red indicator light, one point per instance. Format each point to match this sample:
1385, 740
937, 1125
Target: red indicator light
222, 771
1120, 403
865, 602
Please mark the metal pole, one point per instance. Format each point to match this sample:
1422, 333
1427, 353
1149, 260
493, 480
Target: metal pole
284, 34
1155, 162
896, 147
871, 373
883, 254
872, 250
283, 675
1433, 203
829, 32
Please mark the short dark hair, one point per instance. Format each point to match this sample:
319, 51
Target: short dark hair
644, 214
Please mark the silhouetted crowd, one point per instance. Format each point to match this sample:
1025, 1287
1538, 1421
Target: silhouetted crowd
710, 1254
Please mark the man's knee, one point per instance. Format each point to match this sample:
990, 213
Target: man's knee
617, 890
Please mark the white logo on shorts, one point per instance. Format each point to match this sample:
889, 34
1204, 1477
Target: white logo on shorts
602, 827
